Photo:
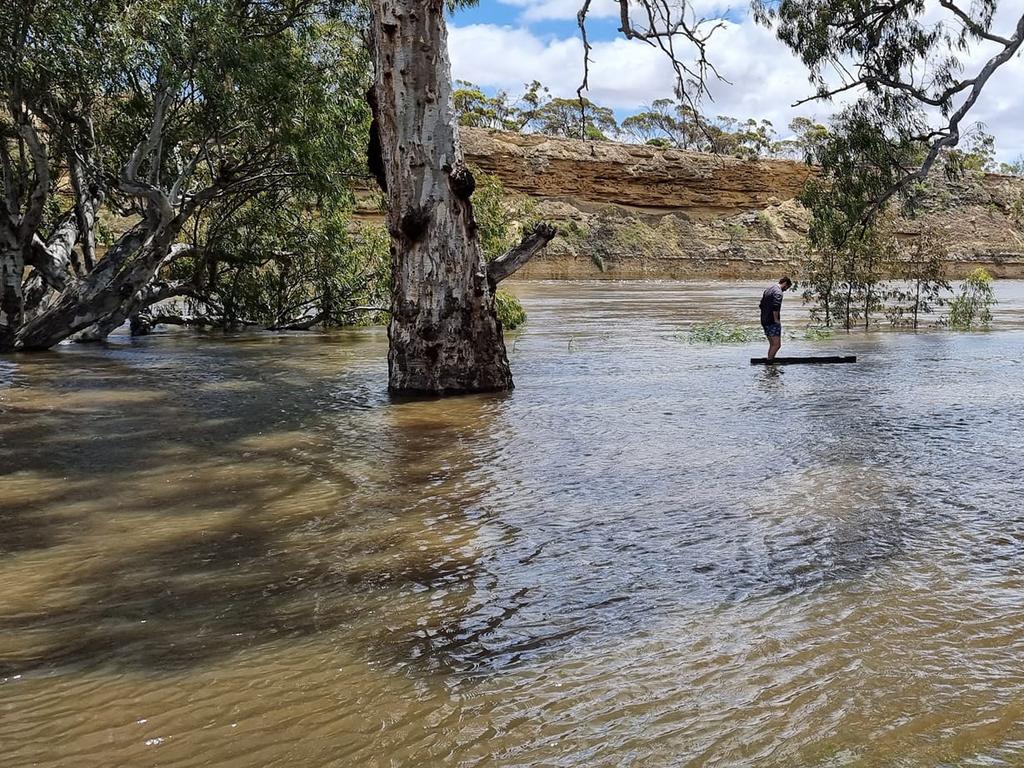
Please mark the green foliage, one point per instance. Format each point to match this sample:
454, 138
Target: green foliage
570, 118
920, 288
861, 158
476, 109
501, 216
972, 306
747, 139
592, 242
666, 123
977, 153
265, 123
812, 333
807, 141
670, 123
889, 38
279, 260
1013, 168
873, 272
535, 110
844, 283
908, 61
490, 208
766, 225
1016, 208
735, 232
720, 332
510, 311
265, 86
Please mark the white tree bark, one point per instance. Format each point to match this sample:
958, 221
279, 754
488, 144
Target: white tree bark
444, 334
12, 267
19, 221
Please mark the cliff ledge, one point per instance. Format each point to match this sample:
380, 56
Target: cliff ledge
629, 211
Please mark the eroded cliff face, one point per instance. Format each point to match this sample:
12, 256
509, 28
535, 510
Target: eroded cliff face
628, 211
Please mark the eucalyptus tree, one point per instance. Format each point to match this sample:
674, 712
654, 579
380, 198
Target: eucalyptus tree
901, 57
574, 120
444, 333
167, 113
50, 68
919, 269
908, 62
536, 110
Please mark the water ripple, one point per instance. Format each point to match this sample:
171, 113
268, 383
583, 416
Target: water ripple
241, 552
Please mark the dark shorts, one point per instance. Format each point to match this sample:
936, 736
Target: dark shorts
772, 329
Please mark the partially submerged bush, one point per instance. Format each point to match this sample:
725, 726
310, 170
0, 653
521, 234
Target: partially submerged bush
510, 311
812, 333
720, 332
972, 307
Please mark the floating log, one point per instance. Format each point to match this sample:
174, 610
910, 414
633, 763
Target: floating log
804, 360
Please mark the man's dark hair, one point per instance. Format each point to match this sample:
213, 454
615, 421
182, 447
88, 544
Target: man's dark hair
785, 279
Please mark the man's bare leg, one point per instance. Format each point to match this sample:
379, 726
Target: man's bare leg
774, 343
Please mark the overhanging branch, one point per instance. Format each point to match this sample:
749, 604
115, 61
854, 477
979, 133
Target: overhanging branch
515, 258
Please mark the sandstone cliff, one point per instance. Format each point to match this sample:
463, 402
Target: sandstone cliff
638, 211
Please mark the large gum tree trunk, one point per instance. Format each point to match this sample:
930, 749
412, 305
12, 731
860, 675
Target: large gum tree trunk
444, 334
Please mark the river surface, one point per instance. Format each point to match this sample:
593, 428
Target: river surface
239, 552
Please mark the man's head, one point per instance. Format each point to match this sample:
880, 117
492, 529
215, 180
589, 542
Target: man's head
785, 283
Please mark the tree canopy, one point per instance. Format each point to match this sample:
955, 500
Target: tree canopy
901, 58
196, 125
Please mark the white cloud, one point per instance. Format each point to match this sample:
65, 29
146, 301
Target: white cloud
764, 77
561, 10
566, 10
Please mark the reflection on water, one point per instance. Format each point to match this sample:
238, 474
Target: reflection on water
240, 552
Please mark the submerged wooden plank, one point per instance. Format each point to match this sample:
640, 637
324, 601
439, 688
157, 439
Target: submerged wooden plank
804, 360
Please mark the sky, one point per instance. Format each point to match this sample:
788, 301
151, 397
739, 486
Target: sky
502, 44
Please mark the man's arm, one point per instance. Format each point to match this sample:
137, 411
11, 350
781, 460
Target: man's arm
777, 307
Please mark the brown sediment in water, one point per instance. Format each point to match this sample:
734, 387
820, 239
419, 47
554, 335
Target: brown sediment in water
649, 551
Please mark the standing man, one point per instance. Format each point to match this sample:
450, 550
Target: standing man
771, 314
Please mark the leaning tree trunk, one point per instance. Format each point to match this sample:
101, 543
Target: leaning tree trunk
444, 334
128, 266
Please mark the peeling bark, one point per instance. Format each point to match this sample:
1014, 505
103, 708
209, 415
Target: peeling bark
444, 334
12, 267
148, 294
18, 225
128, 265
114, 289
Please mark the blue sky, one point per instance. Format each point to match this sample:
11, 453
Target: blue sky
502, 44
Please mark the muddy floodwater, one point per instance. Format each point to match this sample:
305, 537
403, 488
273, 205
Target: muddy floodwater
239, 552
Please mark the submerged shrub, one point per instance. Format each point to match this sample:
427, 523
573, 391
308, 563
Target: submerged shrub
972, 307
817, 334
720, 332
510, 311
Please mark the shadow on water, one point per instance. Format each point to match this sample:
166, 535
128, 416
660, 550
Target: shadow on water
188, 519
195, 600
326, 501
647, 552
